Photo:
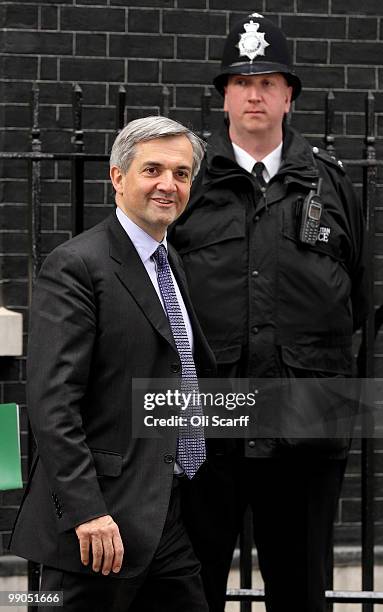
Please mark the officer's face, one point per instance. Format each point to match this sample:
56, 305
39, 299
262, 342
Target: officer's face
256, 103
156, 188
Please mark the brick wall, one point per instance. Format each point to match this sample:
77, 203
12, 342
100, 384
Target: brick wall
145, 44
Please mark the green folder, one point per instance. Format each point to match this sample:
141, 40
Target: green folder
10, 461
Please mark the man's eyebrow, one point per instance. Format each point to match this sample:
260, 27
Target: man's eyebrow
158, 164
148, 162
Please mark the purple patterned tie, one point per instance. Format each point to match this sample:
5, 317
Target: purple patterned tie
191, 450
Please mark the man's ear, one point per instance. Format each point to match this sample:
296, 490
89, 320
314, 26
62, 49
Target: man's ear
289, 95
116, 178
224, 99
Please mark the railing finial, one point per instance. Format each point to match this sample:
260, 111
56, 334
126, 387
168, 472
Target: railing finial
165, 106
120, 108
78, 136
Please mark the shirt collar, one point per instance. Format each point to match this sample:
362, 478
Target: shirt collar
272, 161
144, 244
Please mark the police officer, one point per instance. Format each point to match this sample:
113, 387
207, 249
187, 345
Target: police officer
272, 243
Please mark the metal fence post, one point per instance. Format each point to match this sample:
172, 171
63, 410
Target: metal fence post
34, 176
329, 138
34, 262
120, 108
329, 143
77, 184
205, 113
367, 467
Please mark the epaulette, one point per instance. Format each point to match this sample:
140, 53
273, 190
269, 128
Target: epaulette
327, 158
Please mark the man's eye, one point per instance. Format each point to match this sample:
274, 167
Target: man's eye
152, 170
183, 174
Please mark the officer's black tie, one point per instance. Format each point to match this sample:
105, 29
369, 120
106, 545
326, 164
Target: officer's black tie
257, 171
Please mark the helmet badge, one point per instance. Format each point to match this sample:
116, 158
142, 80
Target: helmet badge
252, 42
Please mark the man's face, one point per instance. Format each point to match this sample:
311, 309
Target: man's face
257, 103
156, 188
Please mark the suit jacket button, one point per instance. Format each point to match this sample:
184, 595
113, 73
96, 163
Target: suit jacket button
175, 367
168, 458
251, 443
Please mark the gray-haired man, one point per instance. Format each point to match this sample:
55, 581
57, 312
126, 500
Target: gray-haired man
101, 511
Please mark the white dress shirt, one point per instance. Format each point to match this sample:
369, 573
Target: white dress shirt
272, 161
145, 246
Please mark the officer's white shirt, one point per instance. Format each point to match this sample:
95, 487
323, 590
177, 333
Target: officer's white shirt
272, 161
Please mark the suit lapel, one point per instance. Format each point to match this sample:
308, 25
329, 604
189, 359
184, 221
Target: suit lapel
132, 273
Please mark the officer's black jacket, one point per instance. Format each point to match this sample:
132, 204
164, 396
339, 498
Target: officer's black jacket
264, 300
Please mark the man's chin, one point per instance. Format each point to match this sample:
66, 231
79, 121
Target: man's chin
256, 123
162, 220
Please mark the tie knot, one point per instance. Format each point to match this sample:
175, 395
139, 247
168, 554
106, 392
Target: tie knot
258, 169
160, 255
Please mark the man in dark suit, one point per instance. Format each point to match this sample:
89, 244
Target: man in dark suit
101, 504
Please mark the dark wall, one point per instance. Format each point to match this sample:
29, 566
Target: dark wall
102, 44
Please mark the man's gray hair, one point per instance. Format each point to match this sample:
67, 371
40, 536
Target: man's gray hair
148, 128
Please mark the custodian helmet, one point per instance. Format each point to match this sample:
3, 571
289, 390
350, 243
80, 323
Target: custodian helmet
255, 45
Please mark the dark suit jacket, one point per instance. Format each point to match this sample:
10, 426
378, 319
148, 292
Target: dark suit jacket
96, 323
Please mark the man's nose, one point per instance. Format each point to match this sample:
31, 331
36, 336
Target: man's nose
254, 92
166, 182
